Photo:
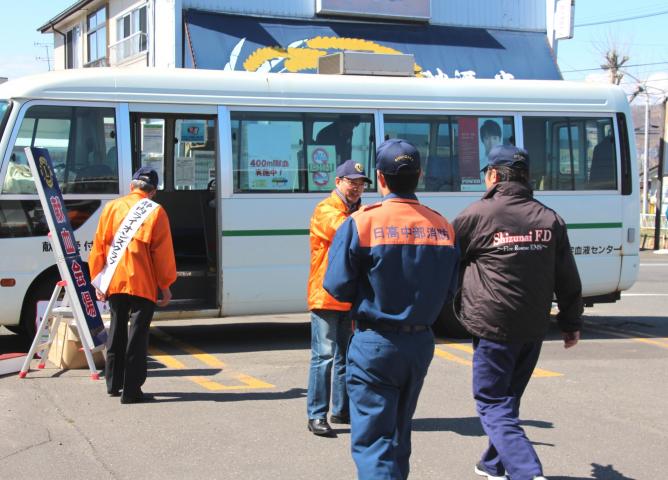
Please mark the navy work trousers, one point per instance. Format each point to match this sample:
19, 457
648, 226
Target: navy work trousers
501, 372
126, 354
385, 373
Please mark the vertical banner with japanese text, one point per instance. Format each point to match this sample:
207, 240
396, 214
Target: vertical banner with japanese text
72, 268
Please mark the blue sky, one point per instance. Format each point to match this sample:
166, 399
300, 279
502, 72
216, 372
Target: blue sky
644, 39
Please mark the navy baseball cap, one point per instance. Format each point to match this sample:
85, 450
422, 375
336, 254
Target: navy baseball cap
396, 156
148, 175
352, 170
507, 156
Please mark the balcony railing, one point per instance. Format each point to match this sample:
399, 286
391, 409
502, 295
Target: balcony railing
128, 47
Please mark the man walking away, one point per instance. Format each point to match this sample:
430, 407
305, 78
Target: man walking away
397, 263
516, 256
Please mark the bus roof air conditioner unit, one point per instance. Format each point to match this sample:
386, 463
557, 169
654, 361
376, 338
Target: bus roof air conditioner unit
363, 63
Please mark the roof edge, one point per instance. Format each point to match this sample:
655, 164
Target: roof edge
48, 26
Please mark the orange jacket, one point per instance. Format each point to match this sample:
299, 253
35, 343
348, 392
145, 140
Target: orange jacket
148, 263
326, 219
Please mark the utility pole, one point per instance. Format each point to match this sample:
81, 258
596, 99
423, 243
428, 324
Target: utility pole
659, 190
645, 162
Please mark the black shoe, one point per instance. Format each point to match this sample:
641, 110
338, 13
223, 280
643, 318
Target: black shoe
342, 419
115, 393
319, 426
140, 398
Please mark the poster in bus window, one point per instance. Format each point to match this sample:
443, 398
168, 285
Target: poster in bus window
491, 135
272, 163
321, 164
468, 153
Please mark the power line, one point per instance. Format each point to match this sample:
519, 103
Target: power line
624, 19
623, 66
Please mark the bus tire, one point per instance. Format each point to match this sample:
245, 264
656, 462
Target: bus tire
447, 325
41, 289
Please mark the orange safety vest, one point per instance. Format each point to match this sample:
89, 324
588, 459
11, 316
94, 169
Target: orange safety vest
326, 219
148, 262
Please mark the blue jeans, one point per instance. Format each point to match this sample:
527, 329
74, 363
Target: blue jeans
501, 372
330, 332
385, 375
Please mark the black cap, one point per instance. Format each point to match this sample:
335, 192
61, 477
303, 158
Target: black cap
508, 156
396, 156
351, 169
148, 175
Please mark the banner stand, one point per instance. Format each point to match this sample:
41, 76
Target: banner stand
58, 313
79, 300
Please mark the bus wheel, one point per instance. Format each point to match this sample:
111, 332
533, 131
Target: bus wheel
42, 289
447, 325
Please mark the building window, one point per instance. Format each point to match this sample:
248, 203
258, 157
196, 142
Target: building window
97, 36
72, 42
131, 35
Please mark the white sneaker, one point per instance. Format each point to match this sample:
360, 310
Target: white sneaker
539, 478
479, 470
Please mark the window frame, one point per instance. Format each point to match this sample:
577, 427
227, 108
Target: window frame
94, 32
613, 116
227, 147
134, 28
18, 121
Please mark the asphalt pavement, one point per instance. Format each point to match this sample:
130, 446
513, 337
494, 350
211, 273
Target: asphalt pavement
230, 403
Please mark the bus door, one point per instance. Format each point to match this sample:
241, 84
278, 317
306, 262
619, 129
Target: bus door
574, 169
182, 148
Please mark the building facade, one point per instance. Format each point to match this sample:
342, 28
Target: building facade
457, 38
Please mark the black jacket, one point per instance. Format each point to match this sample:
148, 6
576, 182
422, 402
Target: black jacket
515, 256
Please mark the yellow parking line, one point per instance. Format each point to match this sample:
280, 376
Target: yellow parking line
656, 342
167, 360
195, 352
246, 381
453, 358
468, 348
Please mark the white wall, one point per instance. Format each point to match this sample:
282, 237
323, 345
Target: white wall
503, 14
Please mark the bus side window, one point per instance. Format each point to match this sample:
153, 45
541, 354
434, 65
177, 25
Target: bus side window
571, 153
78, 140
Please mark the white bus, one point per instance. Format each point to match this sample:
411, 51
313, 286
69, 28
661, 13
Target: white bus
244, 157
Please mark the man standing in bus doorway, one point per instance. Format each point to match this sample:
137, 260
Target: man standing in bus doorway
397, 263
330, 321
340, 134
132, 257
517, 256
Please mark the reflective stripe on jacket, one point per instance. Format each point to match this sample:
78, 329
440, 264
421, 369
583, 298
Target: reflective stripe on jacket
326, 219
148, 262
396, 261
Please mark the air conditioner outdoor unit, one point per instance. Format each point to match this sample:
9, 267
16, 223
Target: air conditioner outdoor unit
363, 63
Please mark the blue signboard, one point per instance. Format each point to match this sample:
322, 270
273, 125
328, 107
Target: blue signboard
73, 269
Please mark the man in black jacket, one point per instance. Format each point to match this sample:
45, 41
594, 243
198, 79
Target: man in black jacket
515, 257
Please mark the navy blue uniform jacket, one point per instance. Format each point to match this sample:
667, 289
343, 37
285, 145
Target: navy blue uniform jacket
396, 261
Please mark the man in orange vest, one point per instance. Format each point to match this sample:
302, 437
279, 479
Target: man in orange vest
132, 257
330, 323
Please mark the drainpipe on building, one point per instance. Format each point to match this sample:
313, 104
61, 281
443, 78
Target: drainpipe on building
659, 190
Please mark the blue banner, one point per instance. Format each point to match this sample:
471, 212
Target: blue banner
218, 41
79, 287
